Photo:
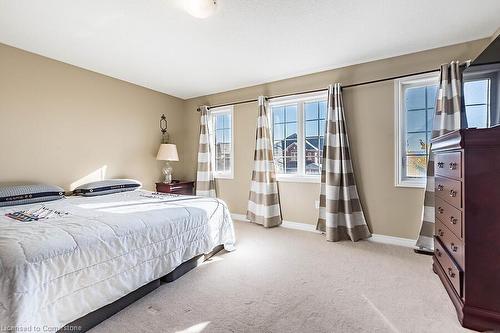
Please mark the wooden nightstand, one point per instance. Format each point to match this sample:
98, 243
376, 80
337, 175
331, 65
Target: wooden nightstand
176, 187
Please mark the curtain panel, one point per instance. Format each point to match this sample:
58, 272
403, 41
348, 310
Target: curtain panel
263, 202
449, 117
340, 214
205, 181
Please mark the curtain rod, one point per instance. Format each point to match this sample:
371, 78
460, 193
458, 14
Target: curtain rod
326, 89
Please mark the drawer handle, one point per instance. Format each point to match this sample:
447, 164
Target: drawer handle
440, 187
440, 210
453, 247
440, 232
440, 165
453, 193
438, 253
453, 220
450, 272
453, 166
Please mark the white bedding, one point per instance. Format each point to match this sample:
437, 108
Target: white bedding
56, 270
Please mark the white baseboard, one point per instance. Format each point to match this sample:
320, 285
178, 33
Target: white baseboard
299, 226
376, 238
239, 217
406, 242
284, 224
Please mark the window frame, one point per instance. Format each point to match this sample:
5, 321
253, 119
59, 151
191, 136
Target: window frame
300, 100
492, 86
218, 111
400, 85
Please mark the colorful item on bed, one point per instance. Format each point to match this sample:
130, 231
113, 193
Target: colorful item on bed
31, 215
160, 195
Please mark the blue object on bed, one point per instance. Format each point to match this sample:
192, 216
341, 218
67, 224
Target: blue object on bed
27, 194
107, 187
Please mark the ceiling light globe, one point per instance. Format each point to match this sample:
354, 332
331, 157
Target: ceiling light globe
201, 8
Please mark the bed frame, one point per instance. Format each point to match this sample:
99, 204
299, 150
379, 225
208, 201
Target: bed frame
96, 317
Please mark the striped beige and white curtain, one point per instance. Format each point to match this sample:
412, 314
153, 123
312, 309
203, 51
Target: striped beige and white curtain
448, 117
340, 213
263, 202
205, 181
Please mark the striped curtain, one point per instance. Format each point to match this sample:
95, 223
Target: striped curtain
263, 203
448, 117
205, 182
340, 213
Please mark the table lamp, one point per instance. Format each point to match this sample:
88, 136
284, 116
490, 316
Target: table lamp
167, 152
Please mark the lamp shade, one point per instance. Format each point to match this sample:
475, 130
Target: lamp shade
167, 152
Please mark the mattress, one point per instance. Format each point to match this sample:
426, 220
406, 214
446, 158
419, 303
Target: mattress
91, 251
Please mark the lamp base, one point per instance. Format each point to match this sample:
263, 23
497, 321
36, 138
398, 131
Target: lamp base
167, 173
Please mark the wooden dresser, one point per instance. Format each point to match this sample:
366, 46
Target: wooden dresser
176, 187
467, 231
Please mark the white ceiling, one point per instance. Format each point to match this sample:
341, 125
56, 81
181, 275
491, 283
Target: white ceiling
156, 44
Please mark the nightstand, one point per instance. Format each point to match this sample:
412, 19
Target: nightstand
176, 187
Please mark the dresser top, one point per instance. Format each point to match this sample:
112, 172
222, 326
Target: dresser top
468, 138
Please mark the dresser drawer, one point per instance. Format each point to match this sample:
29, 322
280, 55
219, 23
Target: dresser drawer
449, 190
451, 242
450, 216
448, 164
183, 189
453, 273
177, 187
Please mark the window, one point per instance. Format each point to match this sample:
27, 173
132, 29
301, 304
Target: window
477, 102
298, 127
222, 141
415, 101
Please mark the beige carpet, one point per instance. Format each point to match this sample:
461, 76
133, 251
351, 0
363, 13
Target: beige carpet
282, 280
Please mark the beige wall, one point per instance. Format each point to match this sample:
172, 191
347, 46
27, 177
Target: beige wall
60, 123
370, 118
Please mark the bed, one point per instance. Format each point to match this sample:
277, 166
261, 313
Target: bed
93, 251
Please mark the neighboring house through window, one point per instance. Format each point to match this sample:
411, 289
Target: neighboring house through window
298, 127
222, 141
415, 99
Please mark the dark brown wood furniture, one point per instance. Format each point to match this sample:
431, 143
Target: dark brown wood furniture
176, 187
467, 231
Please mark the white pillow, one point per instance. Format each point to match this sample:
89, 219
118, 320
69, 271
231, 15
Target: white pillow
107, 187
26, 194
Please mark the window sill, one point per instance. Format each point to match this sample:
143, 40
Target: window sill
299, 179
411, 184
223, 177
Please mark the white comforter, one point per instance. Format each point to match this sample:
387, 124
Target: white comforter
56, 270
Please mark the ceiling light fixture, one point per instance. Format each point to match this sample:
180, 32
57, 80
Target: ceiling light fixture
201, 8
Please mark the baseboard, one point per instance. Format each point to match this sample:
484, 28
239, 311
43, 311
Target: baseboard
406, 242
239, 217
284, 224
299, 226
376, 238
